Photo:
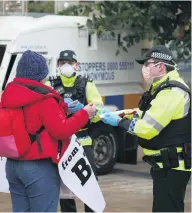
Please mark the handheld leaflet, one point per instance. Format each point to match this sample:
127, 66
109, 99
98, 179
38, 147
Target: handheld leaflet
121, 113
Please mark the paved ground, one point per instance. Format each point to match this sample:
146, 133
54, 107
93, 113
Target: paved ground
127, 189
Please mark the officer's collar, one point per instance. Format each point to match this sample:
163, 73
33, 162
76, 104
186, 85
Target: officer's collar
173, 75
68, 82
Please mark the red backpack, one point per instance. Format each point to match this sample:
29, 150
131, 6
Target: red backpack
15, 141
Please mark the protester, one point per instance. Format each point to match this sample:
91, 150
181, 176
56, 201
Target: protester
34, 181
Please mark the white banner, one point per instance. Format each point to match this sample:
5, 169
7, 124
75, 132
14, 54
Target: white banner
77, 177
77, 174
4, 186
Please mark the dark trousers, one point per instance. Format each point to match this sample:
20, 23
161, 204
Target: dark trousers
169, 187
69, 205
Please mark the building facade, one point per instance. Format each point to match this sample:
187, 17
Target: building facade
11, 8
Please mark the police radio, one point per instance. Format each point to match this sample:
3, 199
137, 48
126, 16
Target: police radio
144, 103
55, 82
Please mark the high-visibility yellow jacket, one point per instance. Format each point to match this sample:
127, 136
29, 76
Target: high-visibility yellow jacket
92, 96
169, 104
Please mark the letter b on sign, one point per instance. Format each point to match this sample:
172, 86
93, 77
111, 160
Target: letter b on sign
82, 170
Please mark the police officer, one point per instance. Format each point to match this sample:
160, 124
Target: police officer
77, 91
163, 126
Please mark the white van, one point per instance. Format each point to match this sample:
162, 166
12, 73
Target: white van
118, 77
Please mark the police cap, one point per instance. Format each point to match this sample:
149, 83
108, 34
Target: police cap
158, 52
67, 55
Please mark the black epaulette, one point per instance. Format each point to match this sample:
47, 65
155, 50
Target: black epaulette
85, 77
55, 81
89, 79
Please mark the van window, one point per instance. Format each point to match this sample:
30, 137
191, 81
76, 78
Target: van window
9, 69
92, 40
2, 52
119, 39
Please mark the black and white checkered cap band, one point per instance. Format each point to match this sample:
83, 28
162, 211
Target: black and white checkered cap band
161, 56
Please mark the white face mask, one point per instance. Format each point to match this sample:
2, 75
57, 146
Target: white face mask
148, 77
67, 70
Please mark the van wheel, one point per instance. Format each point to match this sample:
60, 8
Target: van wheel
105, 147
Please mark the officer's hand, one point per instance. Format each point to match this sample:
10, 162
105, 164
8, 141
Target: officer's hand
111, 118
91, 109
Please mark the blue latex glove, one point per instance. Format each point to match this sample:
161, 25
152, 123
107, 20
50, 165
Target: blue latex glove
104, 110
68, 100
72, 108
111, 119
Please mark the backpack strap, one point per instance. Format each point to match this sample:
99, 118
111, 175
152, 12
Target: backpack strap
44, 91
36, 138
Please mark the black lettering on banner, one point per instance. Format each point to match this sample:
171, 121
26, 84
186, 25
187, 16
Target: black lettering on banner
80, 168
69, 158
73, 153
64, 165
